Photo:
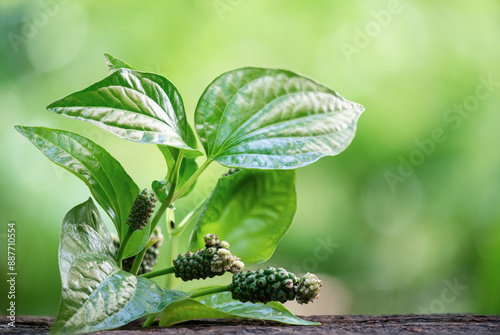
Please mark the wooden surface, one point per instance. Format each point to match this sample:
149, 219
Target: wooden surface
448, 323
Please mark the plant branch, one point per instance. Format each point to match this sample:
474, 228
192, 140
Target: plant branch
140, 256
173, 241
169, 199
191, 180
123, 246
179, 229
150, 320
158, 273
212, 290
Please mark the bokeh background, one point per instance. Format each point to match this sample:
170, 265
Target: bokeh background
406, 220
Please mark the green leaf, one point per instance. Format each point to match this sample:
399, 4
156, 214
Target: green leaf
108, 182
273, 119
222, 306
187, 169
82, 233
252, 210
137, 106
113, 63
96, 294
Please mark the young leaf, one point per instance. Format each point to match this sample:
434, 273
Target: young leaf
221, 305
187, 169
272, 119
108, 182
137, 106
252, 210
96, 294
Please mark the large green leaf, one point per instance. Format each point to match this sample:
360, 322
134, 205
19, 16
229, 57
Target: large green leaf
137, 106
252, 210
273, 119
221, 305
82, 233
96, 294
108, 182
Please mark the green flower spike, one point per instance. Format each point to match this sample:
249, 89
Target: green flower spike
274, 285
214, 260
264, 285
141, 210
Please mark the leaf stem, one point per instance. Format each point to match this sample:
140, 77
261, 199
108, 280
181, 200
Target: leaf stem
158, 216
140, 256
173, 242
191, 180
123, 246
169, 199
179, 229
150, 320
158, 273
212, 290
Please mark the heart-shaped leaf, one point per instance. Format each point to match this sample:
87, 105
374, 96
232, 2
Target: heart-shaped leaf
137, 106
108, 182
273, 119
221, 305
252, 210
96, 294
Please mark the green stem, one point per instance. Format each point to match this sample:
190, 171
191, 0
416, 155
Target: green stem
179, 229
191, 180
158, 273
158, 216
173, 242
211, 290
123, 246
140, 256
168, 200
174, 179
150, 320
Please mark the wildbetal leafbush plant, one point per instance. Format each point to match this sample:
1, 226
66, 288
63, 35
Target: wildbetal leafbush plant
260, 123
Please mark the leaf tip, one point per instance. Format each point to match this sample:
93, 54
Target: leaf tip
52, 106
20, 129
360, 107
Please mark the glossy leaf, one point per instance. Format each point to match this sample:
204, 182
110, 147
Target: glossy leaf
137, 106
108, 182
82, 233
252, 210
96, 294
114, 63
222, 306
273, 119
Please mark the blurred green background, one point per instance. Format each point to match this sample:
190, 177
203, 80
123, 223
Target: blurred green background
406, 220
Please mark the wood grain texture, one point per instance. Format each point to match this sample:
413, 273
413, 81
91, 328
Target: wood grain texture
354, 324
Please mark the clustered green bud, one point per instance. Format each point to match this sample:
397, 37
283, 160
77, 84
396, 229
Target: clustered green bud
214, 260
273, 284
141, 210
150, 257
264, 285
